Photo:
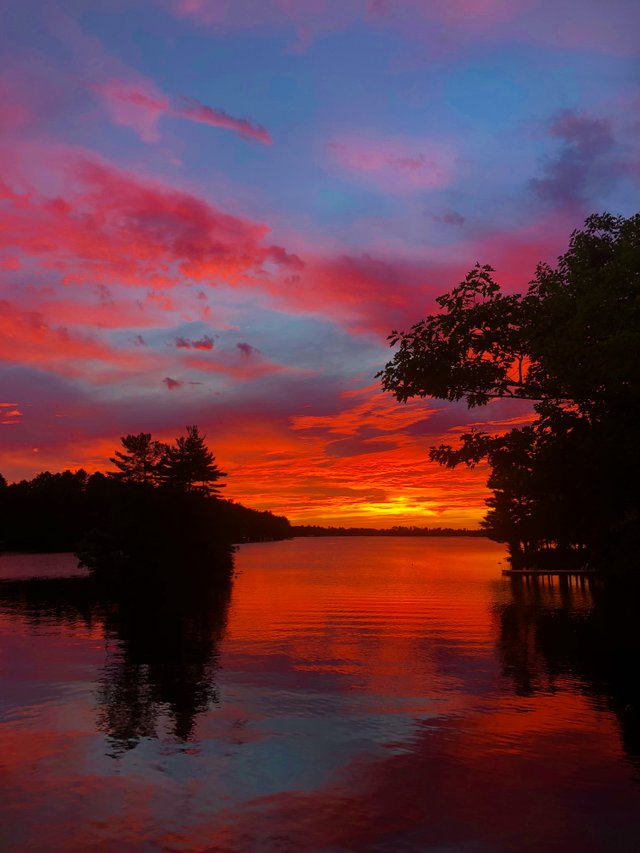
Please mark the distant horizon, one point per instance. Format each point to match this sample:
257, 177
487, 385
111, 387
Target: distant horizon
307, 524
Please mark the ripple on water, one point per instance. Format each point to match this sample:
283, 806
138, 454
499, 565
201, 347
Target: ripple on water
358, 694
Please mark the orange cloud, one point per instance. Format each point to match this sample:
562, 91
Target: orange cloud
10, 414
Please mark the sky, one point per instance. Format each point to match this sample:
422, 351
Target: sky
216, 211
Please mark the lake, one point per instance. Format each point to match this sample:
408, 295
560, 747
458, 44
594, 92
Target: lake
383, 694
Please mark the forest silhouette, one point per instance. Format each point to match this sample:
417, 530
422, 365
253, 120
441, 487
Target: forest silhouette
157, 518
564, 485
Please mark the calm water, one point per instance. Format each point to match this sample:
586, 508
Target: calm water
345, 694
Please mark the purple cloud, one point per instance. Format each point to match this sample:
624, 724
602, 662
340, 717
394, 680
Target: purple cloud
583, 163
203, 343
247, 349
172, 383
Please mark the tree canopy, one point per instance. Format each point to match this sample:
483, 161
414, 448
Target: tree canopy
190, 465
139, 463
187, 465
570, 344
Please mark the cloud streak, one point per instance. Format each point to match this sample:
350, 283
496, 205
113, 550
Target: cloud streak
140, 105
193, 110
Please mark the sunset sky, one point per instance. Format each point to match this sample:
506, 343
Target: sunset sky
215, 211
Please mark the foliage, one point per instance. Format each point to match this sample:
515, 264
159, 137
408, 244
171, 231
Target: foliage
571, 345
47, 513
139, 463
155, 534
189, 465
566, 341
158, 515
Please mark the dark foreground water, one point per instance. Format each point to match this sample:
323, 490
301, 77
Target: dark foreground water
345, 694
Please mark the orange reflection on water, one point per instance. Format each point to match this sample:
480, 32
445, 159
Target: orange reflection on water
355, 694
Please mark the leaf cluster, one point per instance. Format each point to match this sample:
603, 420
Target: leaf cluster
572, 339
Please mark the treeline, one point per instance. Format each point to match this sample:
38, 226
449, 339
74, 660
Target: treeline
397, 530
54, 511
159, 513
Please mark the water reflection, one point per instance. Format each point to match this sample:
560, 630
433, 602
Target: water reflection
367, 695
161, 650
161, 662
582, 632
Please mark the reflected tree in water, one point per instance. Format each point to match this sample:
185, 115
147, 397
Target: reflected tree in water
161, 649
585, 632
160, 667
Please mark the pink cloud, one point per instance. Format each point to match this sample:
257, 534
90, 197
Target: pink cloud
28, 338
394, 164
364, 293
140, 105
172, 383
203, 114
113, 226
460, 14
10, 414
123, 229
311, 18
239, 366
77, 310
374, 293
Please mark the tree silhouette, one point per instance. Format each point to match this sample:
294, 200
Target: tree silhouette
150, 519
571, 345
190, 465
139, 464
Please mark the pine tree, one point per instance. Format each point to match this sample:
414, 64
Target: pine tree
190, 465
140, 462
